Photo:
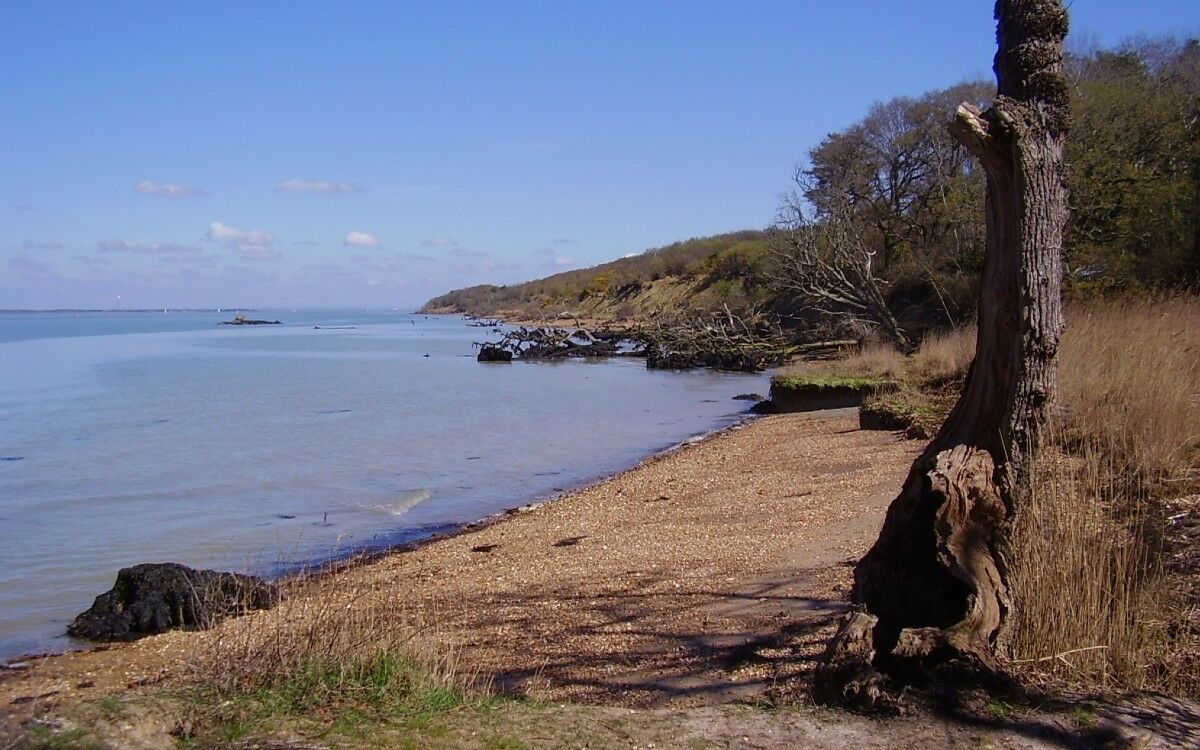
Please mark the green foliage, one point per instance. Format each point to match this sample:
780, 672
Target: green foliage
744, 262
1134, 153
738, 257
348, 695
597, 287
829, 382
41, 738
915, 197
916, 413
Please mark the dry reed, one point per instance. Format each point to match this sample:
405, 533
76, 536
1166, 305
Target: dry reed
873, 360
943, 358
1129, 378
1087, 577
1096, 605
325, 646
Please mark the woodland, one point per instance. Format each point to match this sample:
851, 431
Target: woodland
881, 234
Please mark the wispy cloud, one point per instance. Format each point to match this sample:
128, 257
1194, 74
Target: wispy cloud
91, 260
258, 253
564, 241
317, 186
144, 248
401, 263
202, 260
361, 239
30, 268
306, 243
453, 248
482, 264
167, 190
26, 208
41, 245
234, 237
553, 261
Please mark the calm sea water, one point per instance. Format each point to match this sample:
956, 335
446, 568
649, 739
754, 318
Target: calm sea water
138, 437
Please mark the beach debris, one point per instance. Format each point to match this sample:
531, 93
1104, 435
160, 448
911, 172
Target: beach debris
489, 352
722, 341
570, 541
485, 548
156, 597
551, 343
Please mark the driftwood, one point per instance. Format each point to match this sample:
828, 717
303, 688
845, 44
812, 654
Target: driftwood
723, 341
551, 343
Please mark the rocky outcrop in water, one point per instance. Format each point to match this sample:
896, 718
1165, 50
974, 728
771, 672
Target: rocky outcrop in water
156, 597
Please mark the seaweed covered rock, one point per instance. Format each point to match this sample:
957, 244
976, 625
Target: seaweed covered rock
156, 597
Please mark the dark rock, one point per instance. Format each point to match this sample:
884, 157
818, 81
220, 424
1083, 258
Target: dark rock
881, 419
748, 397
156, 597
819, 395
491, 353
766, 407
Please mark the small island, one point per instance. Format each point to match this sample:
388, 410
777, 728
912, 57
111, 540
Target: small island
241, 320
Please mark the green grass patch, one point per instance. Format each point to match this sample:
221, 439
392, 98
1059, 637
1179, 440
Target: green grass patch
830, 382
350, 699
41, 738
915, 413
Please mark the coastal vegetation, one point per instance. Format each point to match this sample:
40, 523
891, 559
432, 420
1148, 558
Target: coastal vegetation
1106, 579
935, 590
1045, 536
900, 201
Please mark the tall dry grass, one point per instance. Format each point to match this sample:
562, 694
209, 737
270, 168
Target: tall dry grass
1129, 379
1095, 604
329, 648
1093, 607
873, 360
943, 358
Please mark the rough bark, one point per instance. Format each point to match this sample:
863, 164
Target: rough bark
937, 578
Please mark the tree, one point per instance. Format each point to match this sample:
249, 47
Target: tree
829, 266
902, 188
934, 589
1135, 164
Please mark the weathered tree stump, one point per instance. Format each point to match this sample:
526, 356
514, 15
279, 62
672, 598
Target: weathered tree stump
937, 580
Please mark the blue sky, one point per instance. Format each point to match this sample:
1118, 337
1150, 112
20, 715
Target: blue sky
358, 154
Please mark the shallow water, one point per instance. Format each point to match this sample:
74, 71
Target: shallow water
137, 437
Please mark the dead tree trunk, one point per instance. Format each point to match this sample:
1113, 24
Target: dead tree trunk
936, 585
